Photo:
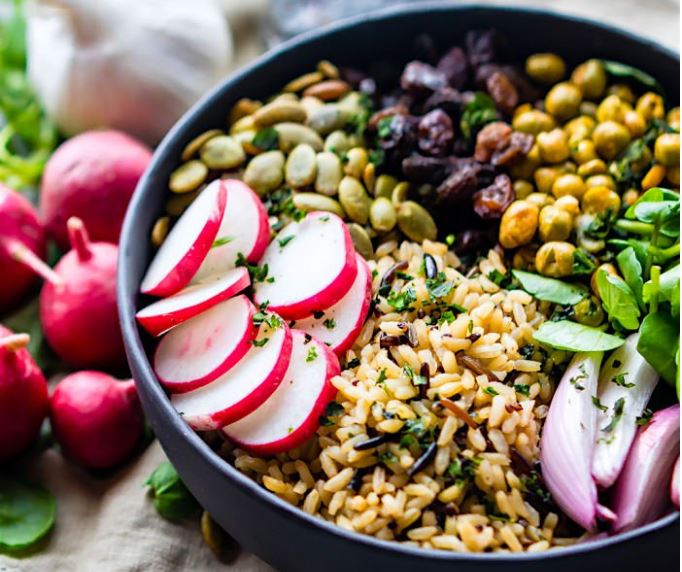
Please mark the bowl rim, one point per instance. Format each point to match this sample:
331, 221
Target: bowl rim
135, 347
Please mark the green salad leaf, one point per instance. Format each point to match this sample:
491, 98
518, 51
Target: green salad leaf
668, 284
476, 114
624, 71
631, 269
659, 341
172, 498
619, 300
27, 513
550, 289
574, 337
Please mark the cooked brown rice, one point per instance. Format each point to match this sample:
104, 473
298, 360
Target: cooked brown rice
473, 488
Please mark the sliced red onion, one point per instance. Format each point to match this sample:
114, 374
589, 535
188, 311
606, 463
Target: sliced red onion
675, 485
626, 382
640, 494
568, 442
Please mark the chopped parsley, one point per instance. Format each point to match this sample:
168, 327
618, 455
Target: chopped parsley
260, 343
522, 388
502, 280
384, 126
381, 379
645, 417
401, 301
222, 241
527, 351
266, 139
598, 404
450, 239
329, 323
325, 218
333, 410
618, 407
311, 355
491, 391
257, 273
376, 157
470, 327
533, 484
415, 378
413, 432
463, 470
284, 241
273, 321
439, 287
387, 457
576, 379
620, 380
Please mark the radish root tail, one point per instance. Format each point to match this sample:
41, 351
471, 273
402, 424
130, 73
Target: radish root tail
79, 238
21, 253
15, 342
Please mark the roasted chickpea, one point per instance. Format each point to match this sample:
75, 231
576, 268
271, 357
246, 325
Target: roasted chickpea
583, 152
673, 118
667, 149
623, 91
610, 138
654, 177
630, 197
544, 178
563, 101
635, 124
583, 124
593, 167
524, 257
533, 122
650, 106
600, 180
600, 199
522, 108
554, 224
673, 175
519, 223
590, 77
568, 184
583, 225
612, 108
588, 312
553, 146
540, 199
522, 188
609, 269
588, 108
546, 68
555, 259
524, 167
568, 203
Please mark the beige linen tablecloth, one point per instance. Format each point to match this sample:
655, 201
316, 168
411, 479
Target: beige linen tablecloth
110, 525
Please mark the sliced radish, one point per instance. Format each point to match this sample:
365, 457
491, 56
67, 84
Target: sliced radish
339, 325
206, 346
244, 230
311, 265
243, 388
291, 414
161, 316
187, 244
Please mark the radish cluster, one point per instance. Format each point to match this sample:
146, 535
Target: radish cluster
258, 368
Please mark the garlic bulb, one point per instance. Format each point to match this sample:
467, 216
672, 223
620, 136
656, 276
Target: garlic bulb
133, 65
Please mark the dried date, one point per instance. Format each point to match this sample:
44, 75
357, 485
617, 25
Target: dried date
436, 133
503, 92
455, 66
422, 79
493, 200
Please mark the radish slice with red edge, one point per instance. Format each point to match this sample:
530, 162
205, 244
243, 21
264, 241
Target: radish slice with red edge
675, 485
187, 244
311, 265
291, 414
339, 325
244, 230
164, 314
243, 388
206, 346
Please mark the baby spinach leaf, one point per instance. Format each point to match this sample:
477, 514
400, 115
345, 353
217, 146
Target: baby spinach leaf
632, 271
574, 337
667, 283
658, 206
624, 71
27, 513
659, 340
172, 498
618, 300
549, 289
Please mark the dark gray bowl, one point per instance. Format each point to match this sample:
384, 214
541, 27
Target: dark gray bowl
284, 536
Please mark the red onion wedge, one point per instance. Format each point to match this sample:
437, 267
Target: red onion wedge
568, 442
675, 485
626, 382
640, 494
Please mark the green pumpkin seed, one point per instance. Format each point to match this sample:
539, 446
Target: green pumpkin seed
279, 111
352, 103
337, 142
177, 204
328, 69
400, 193
354, 199
188, 177
382, 215
356, 161
245, 139
242, 108
222, 152
384, 186
311, 104
361, 240
160, 231
416, 222
198, 142
292, 134
243, 124
301, 166
329, 173
369, 176
327, 118
309, 202
302, 82
265, 172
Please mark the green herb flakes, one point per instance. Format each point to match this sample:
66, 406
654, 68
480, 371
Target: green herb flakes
311, 355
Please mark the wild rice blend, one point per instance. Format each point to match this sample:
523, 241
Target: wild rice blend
434, 434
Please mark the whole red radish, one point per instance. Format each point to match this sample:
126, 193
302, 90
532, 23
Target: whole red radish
96, 419
21, 237
78, 306
23, 395
92, 176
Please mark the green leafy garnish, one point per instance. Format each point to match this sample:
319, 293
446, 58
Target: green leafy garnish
619, 379
266, 139
624, 71
659, 340
260, 343
27, 513
329, 323
476, 114
284, 241
311, 355
549, 289
439, 287
331, 412
221, 241
491, 391
632, 271
384, 127
415, 378
598, 404
619, 300
618, 407
522, 388
401, 301
574, 337
257, 273
172, 499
